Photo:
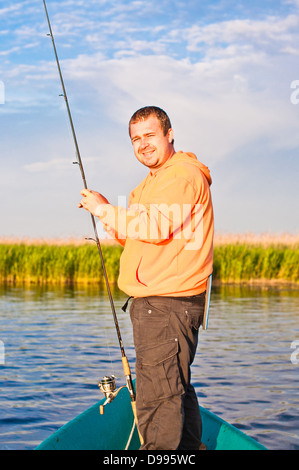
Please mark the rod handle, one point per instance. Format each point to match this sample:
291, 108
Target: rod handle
127, 373
126, 366
133, 403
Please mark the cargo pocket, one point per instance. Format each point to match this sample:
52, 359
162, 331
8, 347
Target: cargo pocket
158, 370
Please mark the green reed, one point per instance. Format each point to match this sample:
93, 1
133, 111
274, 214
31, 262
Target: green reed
23, 263
57, 263
241, 262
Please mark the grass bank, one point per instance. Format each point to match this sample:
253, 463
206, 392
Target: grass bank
235, 261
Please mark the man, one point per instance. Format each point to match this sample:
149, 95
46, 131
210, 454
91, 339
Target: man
167, 234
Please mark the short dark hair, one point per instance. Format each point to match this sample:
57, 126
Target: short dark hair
144, 113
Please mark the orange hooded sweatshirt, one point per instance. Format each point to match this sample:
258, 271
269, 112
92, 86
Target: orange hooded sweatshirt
167, 232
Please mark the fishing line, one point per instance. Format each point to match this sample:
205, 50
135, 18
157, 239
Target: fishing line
125, 363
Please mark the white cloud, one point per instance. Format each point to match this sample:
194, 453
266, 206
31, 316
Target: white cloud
236, 90
225, 85
12, 8
292, 2
8, 52
54, 165
218, 97
253, 33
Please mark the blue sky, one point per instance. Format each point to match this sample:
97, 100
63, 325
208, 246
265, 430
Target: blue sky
222, 70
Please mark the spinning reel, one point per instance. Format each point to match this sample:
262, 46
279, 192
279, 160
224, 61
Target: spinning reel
108, 387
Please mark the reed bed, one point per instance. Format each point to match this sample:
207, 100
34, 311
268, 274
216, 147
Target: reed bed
256, 263
238, 259
43, 263
256, 257
260, 239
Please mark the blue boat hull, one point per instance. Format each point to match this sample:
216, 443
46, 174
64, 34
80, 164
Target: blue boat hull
115, 430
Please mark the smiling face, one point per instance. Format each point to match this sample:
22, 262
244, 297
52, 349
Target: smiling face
151, 146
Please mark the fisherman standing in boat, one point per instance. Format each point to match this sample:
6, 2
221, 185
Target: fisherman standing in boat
167, 234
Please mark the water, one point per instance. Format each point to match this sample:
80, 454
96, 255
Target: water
60, 342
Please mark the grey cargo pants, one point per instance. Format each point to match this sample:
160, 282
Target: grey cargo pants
165, 333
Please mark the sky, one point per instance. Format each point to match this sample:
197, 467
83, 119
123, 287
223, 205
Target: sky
226, 72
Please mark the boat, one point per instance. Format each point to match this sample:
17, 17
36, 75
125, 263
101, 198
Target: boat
116, 430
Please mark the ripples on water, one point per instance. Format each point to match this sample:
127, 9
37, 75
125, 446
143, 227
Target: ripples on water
59, 343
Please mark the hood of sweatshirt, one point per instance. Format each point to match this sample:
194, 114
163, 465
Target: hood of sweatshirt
190, 158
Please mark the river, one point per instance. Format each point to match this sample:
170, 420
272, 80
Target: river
56, 343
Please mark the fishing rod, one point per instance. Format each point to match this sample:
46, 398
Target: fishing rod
107, 385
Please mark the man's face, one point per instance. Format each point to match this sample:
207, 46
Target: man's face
151, 147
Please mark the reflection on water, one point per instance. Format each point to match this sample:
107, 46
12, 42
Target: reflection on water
60, 342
